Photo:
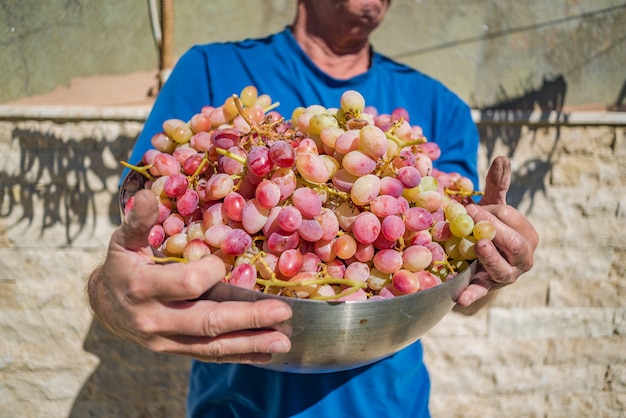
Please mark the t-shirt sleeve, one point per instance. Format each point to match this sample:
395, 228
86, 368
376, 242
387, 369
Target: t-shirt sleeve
184, 94
458, 138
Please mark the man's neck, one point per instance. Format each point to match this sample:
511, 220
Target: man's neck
341, 62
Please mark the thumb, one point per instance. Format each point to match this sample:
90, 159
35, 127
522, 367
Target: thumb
135, 229
497, 182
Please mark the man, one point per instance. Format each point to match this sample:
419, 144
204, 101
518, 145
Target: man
324, 53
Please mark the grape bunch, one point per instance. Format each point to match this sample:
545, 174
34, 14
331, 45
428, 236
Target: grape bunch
332, 203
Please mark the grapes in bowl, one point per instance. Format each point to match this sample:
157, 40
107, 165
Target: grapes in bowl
339, 212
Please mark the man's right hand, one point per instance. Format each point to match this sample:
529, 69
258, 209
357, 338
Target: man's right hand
157, 305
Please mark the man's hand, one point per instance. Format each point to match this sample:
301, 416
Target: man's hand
511, 252
157, 305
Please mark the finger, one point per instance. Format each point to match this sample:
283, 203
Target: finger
497, 182
205, 318
511, 226
499, 269
134, 231
234, 345
176, 281
476, 290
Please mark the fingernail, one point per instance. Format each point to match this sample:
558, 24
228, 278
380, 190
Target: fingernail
279, 346
281, 313
472, 209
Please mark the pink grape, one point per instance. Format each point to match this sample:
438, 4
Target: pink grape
427, 279
373, 142
307, 202
391, 186
405, 281
175, 185
156, 236
290, 262
384, 205
182, 153
282, 154
345, 246
422, 237
366, 227
364, 252
230, 165
405, 158
400, 113
192, 165
187, 204
195, 249
253, 216
259, 162
329, 223
225, 138
343, 180
348, 141
236, 242
286, 181
243, 275
388, 261
166, 165
325, 250
267, 194
279, 241
201, 141
312, 168
336, 268
358, 164
163, 143
310, 230
392, 227
365, 189
416, 258
357, 271
215, 234
409, 176
173, 224
289, 218
232, 206
418, 219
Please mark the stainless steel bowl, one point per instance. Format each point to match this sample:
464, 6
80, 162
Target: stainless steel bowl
336, 336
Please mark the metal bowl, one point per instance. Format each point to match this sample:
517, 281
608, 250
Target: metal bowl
335, 336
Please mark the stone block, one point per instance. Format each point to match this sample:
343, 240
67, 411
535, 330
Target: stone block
586, 404
551, 322
443, 405
549, 379
579, 351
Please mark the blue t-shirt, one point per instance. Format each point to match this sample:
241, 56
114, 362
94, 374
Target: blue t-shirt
397, 386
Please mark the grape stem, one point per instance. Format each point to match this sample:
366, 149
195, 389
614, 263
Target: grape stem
227, 153
140, 169
326, 188
165, 260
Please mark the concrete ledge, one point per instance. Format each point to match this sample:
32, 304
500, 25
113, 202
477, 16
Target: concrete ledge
139, 113
75, 113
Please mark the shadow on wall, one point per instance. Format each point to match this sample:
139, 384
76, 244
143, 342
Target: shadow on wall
530, 178
63, 177
130, 381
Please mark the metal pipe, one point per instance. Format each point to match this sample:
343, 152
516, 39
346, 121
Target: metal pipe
167, 44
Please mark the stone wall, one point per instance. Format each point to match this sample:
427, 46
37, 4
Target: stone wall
552, 345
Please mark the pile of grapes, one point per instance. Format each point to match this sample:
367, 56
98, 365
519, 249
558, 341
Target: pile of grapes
333, 203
